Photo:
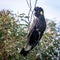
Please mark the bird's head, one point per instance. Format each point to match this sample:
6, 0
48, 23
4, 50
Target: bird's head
38, 11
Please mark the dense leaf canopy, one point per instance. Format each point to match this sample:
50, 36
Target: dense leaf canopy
13, 31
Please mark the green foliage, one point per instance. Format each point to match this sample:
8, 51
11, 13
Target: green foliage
13, 31
11, 34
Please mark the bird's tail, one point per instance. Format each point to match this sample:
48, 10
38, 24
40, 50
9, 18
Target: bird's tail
23, 52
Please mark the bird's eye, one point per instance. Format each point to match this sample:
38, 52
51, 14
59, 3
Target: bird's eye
41, 12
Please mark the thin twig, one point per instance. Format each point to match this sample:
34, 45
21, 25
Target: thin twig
33, 9
28, 3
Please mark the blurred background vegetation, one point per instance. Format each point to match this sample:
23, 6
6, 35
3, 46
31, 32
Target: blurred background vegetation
13, 31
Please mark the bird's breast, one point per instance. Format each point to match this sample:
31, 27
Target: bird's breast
41, 24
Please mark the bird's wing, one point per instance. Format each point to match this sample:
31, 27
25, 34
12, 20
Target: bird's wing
33, 36
33, 40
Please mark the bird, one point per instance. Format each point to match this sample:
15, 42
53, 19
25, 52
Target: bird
36, 31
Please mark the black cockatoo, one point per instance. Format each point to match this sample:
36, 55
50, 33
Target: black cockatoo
36, 31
